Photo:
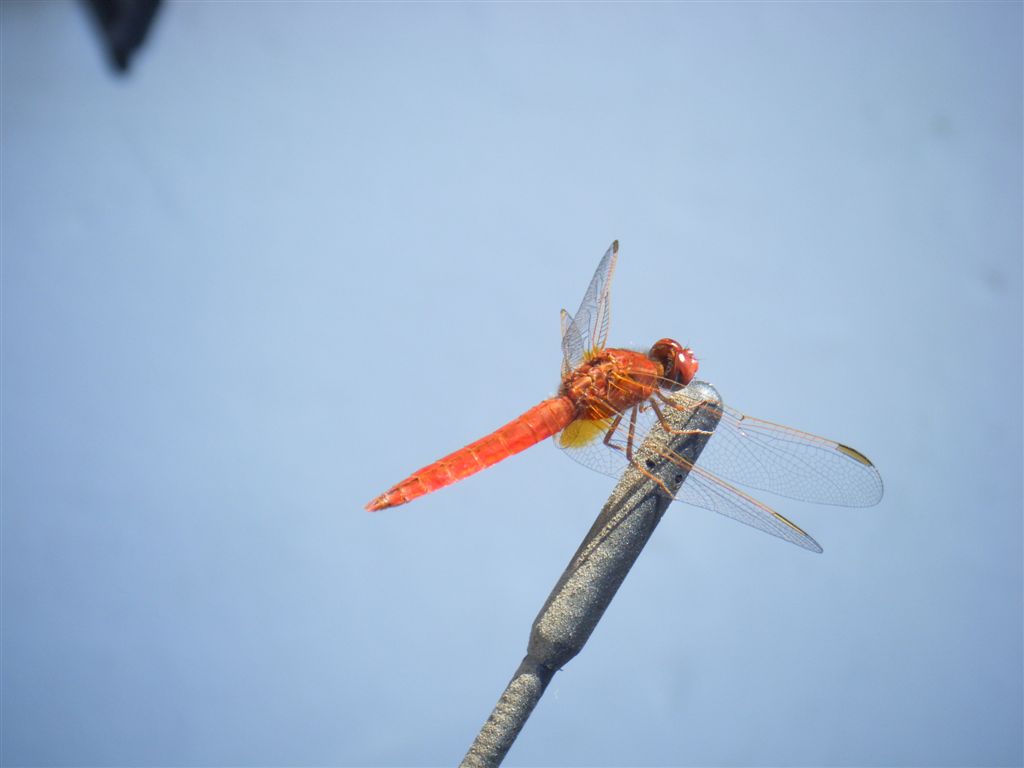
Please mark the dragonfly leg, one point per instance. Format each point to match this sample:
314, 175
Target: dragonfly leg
664, 423
611, 431
609, 435
657, 480
628, 449
632, 434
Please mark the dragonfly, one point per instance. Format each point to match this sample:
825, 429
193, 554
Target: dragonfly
610, 399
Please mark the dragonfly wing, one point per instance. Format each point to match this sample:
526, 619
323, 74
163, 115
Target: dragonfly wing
570, 341
588, 330
566, 319
786, 461
593, 453
744, 450
702, 489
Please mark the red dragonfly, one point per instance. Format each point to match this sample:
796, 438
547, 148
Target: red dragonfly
610, 398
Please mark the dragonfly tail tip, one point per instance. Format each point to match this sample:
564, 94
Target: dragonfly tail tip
381, 502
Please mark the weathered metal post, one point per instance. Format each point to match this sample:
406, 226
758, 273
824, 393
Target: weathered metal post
599, 566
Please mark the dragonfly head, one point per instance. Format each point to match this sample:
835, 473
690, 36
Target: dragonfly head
678, 362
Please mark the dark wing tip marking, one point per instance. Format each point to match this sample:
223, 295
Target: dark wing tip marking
809, 543
854, 454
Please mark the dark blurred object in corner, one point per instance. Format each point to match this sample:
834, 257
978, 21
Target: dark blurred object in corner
123, 25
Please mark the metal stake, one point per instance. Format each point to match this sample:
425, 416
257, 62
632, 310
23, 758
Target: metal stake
594, 574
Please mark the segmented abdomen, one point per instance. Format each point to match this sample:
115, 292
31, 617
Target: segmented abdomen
538, 423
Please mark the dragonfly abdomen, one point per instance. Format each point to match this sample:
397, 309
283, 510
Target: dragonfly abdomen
540, 422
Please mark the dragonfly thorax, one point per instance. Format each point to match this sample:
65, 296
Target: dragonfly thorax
610, 382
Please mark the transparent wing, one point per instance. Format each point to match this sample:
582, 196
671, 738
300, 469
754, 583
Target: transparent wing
786, 461
748, 451
566, 324
703, 489
588, 330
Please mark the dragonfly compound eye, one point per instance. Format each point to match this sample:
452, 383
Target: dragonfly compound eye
678, 362
686, 365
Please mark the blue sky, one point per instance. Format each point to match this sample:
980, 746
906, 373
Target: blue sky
306, 248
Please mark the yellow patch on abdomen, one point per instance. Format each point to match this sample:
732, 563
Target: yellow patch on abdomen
583, 431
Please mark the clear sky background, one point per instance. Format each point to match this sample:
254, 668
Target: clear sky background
304, 249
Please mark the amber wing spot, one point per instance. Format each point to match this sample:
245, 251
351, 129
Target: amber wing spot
583, 431
854, 454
